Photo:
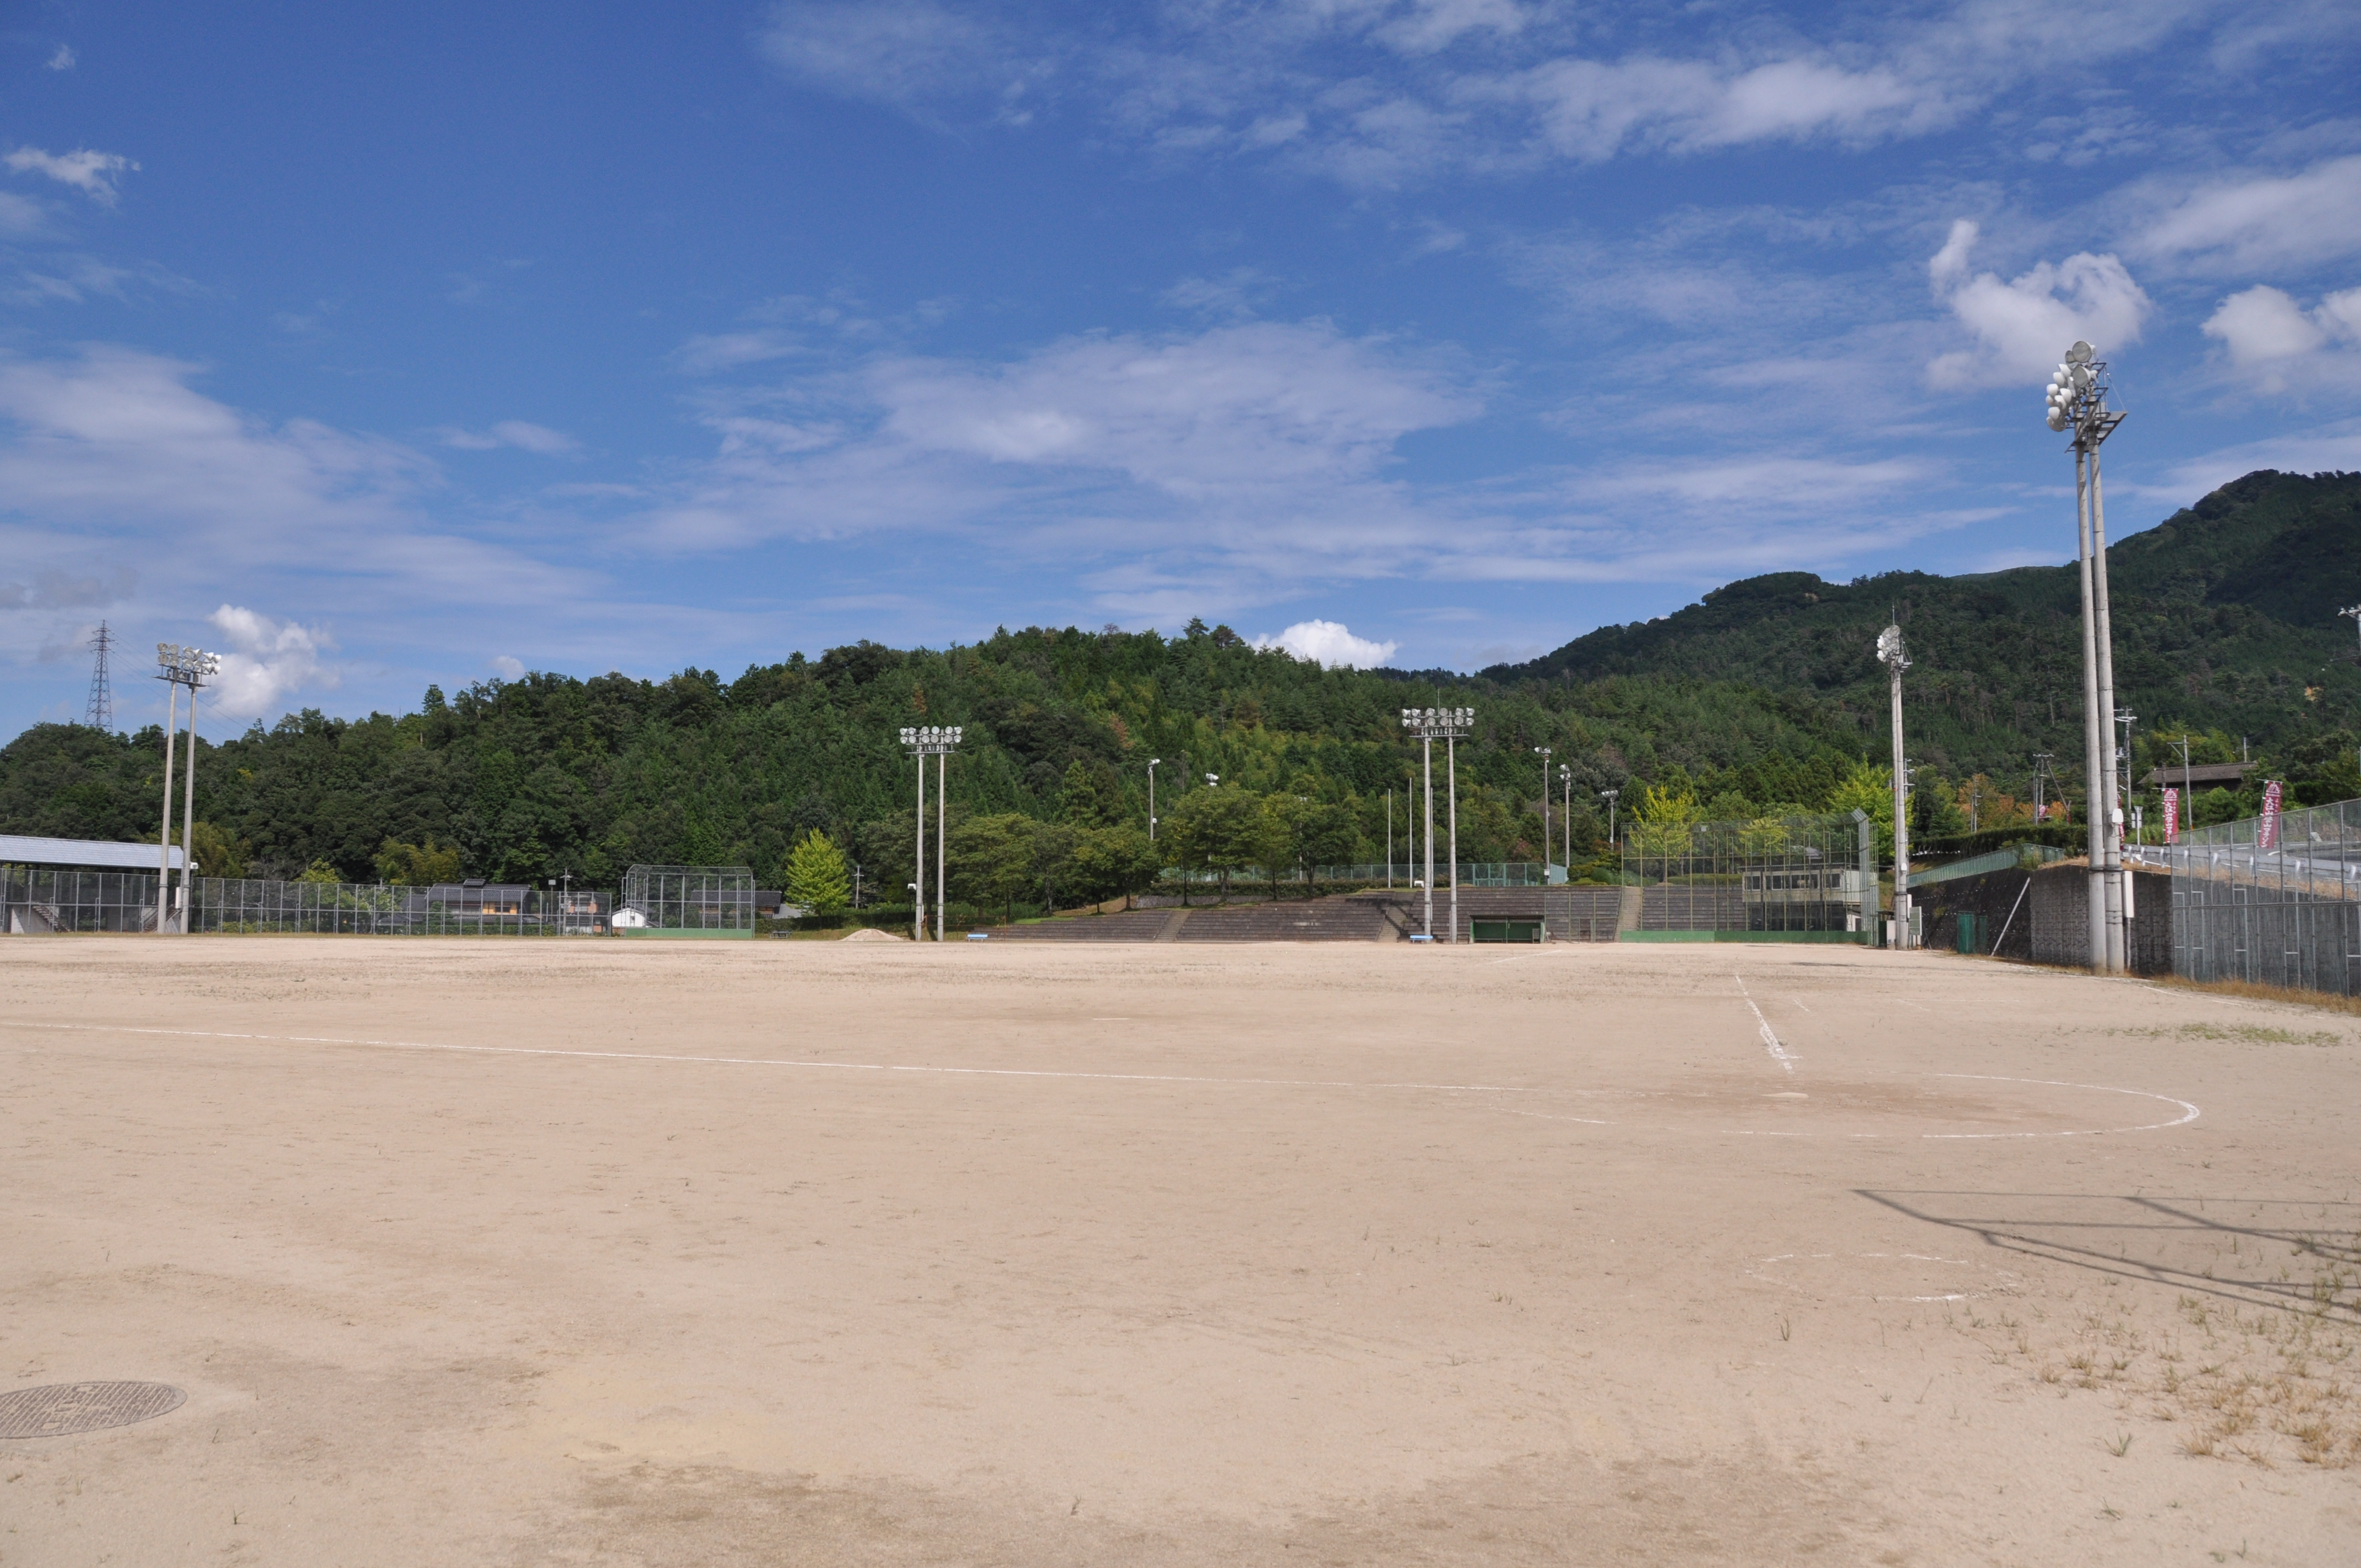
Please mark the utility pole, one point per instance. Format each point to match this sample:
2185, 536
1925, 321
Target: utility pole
2041, 760
1152, 761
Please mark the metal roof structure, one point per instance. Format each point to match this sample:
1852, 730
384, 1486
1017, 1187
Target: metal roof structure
2230, 774
17, 850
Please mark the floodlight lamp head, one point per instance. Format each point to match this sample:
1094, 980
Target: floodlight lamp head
2080, 353
1889, 648
2058, 421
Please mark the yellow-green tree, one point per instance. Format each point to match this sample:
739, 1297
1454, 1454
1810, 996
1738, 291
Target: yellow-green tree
1869, 788
817, 877
418, 865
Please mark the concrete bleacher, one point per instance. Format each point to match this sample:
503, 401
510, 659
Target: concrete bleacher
1567, 914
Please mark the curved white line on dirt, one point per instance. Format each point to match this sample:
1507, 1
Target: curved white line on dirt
2188, 1112
759, 1061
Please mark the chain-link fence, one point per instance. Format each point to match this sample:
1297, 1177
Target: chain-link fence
1783, 873
709, 900
1472, 873
34, 902
2276, 901
446, 909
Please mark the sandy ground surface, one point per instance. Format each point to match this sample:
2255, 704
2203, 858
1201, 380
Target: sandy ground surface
795, 1252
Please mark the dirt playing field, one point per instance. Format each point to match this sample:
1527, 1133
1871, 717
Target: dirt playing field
600, 1252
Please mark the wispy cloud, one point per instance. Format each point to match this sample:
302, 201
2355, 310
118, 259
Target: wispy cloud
538, 439
63, 59
1377, 93
2263, 223
91, 173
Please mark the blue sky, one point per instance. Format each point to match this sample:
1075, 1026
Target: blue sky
381, 346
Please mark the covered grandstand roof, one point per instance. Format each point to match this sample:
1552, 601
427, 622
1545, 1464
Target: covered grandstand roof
17, 850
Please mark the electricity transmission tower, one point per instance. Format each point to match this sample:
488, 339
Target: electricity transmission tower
99, 712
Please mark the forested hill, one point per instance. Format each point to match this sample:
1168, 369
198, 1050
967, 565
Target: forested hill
1763, 697
2225, 617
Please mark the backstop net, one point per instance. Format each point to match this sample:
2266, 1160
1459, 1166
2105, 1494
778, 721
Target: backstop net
1771, 875
710, 900
35, 902
2274, 901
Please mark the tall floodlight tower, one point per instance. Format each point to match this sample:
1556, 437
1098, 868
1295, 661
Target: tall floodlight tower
930, 740
2077, 402
1448, 725
177, 667
98, 713
1544, 752
1890, 655
1565, 783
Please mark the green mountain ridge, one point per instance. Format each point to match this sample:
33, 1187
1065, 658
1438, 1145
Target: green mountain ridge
1764, 696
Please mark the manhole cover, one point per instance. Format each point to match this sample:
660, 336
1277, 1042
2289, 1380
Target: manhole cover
64, 1407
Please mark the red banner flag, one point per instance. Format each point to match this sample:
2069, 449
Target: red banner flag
2172, 817
2267, 833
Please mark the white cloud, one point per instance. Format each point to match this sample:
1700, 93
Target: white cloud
114, 445
1590, 110
534, 438
2263, 223
2023, 326
91, 173
265, 661
63, 60
2335, 447
2277, 344
507, 668
1250, 405
19, 218
912, 55
1331, 645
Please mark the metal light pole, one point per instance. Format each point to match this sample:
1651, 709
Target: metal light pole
1545, 753
934, 742
2040, 771
1890, 654
1609, 795
1448, 725
1390, 838
178, 666
2078, 401
1151, 797
1565, 783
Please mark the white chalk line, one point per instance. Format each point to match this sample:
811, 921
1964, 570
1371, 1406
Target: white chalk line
1770, 1041
762, 1061
2189, 1111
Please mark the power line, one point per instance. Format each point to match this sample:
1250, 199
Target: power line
99, 712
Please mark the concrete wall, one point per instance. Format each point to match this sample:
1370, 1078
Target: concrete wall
2060, 907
